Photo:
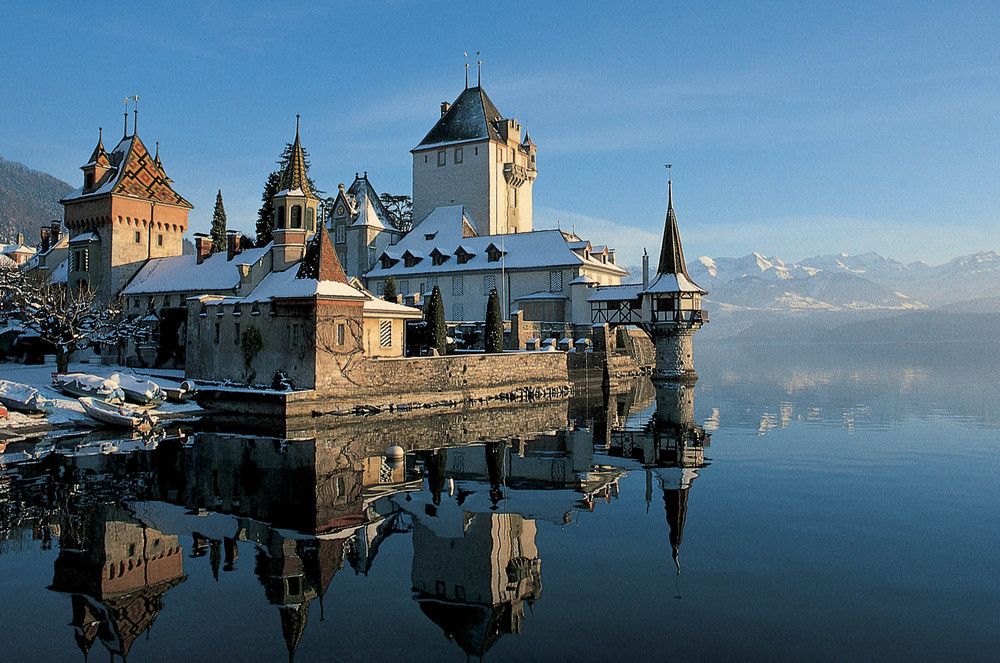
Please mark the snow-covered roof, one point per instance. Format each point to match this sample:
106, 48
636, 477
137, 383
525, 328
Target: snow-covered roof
5, 261
532, 250
544, 294
614, 293
285, 285
61, 273
19, 248
665, 283
583, 279
184, 274
85, 237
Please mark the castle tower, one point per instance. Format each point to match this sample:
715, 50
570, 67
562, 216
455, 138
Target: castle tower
295, 207
475, 157
671, 305
124, 214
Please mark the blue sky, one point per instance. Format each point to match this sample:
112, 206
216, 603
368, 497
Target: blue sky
794, 129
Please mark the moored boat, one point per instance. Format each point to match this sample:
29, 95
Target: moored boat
117, 415
81, 384
138, 390
23, 398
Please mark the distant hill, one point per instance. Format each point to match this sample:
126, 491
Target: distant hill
28, 200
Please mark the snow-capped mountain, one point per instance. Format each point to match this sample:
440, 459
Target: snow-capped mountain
759, 291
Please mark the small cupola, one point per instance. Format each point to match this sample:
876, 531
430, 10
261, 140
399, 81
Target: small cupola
97, 166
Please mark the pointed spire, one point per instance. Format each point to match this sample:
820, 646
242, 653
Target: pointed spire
671, 252
294, 176
156, 159
99, 150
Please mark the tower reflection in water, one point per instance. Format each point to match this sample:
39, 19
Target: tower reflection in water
296, 512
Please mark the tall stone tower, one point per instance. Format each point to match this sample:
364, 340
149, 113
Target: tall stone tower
295, 206
476, 158
672, 305
124, 214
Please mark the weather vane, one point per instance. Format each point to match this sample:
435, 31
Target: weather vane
135, 125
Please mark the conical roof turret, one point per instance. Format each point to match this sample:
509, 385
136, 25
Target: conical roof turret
99, 155
294, 176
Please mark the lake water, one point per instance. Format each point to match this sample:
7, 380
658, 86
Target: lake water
796, 503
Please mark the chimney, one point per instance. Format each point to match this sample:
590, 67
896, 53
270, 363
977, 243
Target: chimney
444, 107
55, 234
45, 240
202, 247
232, 244
20, 239
645, 269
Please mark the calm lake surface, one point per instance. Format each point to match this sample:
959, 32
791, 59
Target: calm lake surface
796, 503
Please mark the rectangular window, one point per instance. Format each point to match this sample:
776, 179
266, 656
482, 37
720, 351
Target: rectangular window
555, 282
159, 240
385, 333
404, 287
457, 286
458, 155
432, 283
380, 288
236, 333
340, 334
218, 329
371, 257
489, 282
138, 237
442, 157
296, 333
457, 311
341, 233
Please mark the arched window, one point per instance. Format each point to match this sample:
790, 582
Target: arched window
281, 216
296, 217
310, 215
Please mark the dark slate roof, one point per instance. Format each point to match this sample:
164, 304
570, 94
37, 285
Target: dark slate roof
472, 117
671, 253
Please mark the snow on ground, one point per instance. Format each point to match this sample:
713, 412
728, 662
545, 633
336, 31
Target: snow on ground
67, 411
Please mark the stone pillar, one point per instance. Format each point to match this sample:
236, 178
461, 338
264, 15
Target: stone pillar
674, 351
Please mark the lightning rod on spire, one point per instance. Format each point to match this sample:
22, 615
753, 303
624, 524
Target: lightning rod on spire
125, 133
135, 124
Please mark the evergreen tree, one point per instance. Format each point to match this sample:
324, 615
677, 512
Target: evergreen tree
389, 294
219, 225
493, 341
434, 317
265, 217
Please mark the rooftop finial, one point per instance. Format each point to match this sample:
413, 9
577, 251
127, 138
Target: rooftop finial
670, 189
479, 81
296, 126
125, 133
157, 157
466, 54
135, 124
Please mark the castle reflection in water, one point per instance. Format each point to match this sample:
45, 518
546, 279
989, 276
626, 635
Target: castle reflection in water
470, 492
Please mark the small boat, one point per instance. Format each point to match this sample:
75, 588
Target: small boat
23, 398
138, 390
81, 384
117, 415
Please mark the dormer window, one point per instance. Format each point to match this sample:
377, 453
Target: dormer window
430, 236
438, 258
463, 256
410, 260
388, 262
493, 253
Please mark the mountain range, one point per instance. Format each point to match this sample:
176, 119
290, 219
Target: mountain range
841, 296
29, 199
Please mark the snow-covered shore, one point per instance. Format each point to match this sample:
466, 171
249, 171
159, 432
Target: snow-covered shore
68, 413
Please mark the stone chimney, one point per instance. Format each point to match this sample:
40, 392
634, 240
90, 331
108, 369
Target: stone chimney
202, 247
232, 244
444, 107
645, 269
45, 240
20, 239
55, 233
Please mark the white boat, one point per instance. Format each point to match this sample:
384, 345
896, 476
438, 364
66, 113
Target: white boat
138, 390
23, 398
117, 415
81, 384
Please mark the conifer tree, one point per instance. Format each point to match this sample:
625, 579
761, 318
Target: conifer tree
493, 341
265, 217
389, 293
219, 225
434, 317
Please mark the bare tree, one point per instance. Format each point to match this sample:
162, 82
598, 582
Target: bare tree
70, 321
